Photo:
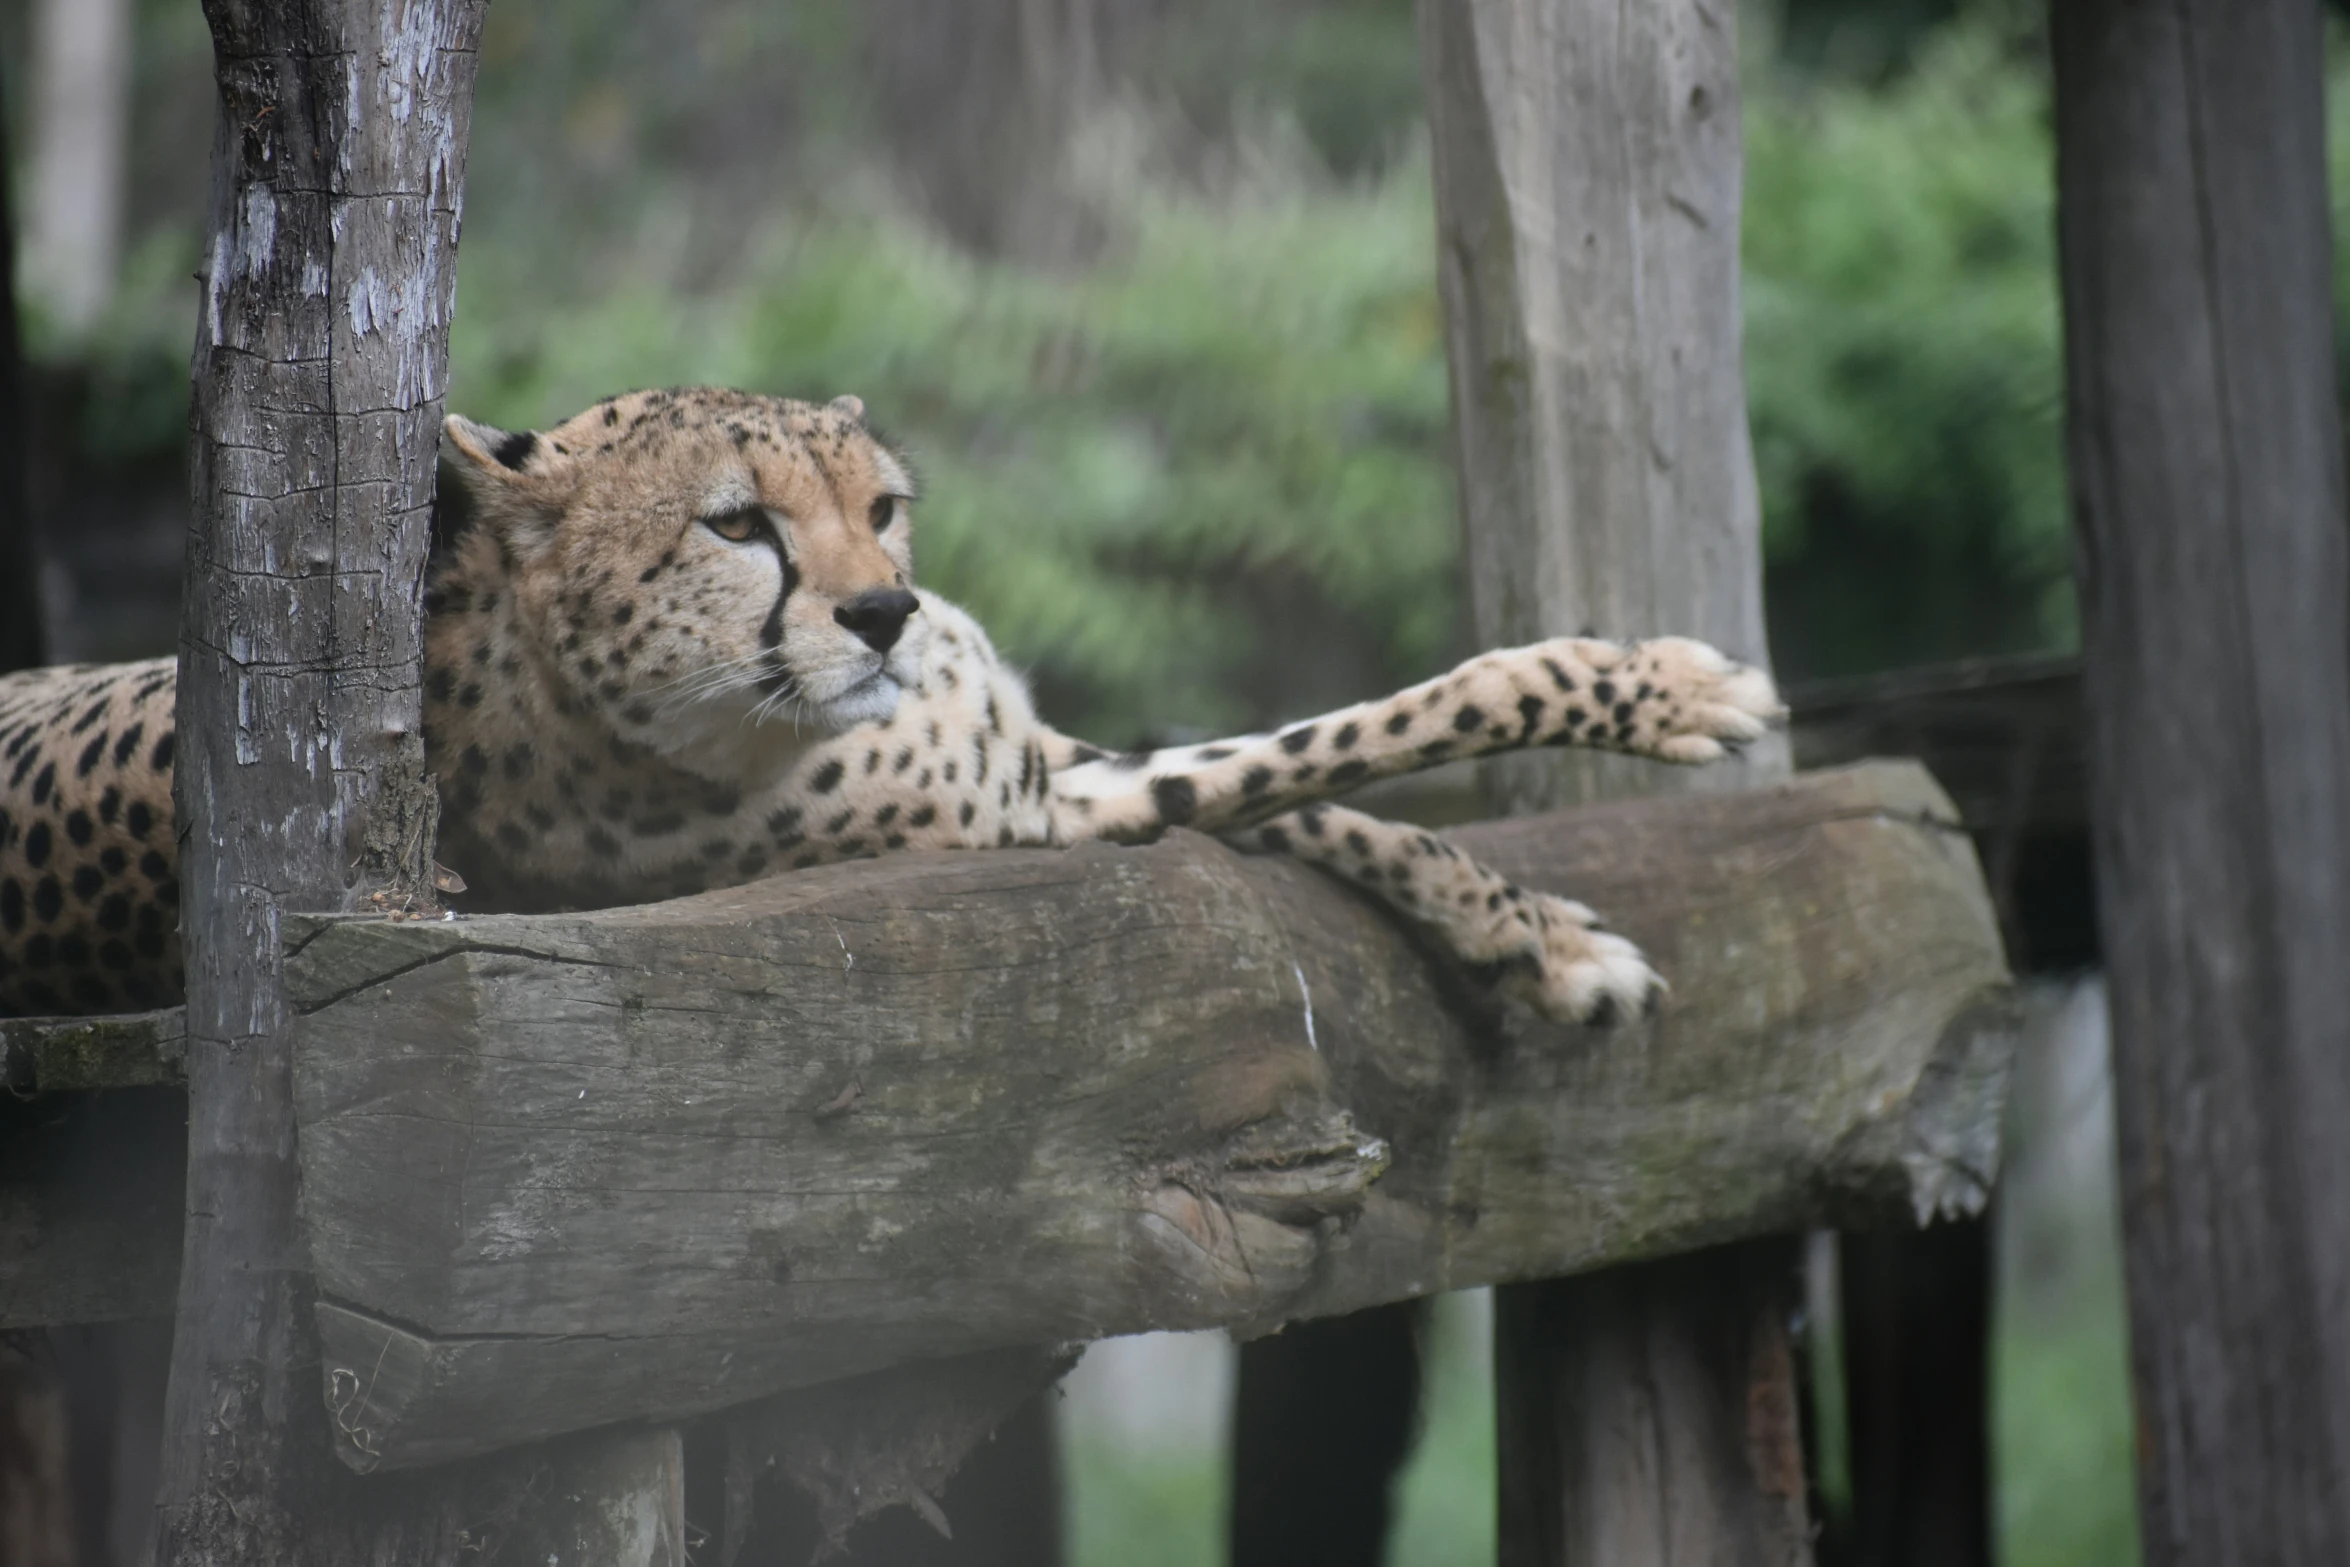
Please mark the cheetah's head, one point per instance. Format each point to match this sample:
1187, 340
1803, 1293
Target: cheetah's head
691, 562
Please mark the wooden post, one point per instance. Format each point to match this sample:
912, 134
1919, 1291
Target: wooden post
2206, 449
321, 354
1588, 168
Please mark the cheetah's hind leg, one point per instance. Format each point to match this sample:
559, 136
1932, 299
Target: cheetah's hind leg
1547, 951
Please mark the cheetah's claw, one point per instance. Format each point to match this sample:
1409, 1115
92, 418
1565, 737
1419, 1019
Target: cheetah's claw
1725, 704
1574, 972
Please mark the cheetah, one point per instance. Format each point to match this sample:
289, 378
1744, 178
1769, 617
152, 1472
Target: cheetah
678, 647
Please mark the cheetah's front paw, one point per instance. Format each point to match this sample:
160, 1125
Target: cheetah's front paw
1710, 703
1576, 973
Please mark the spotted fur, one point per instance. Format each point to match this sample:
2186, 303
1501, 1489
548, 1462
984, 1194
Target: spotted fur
680, 648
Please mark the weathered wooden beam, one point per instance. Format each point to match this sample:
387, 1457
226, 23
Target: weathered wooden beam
571, 1169
2204, 439
53, 1055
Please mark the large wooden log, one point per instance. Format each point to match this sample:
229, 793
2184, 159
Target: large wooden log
572, 1169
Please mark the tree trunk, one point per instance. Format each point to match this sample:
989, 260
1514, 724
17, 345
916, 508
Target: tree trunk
321, 351
1588, 166
2206, 451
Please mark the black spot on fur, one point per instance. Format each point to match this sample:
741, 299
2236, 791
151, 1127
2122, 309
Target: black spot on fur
1298, 739
161, 759
827, 777
11, 906
1350, 772
1176, 798
88, 760
49, 899
1529, 716
1346, 737
922, 816
109, 806
1311, 820
965, 814
1399, 723
1558, 676
87, 882
1468, 719
1604, 692
439, 684
36, 845
1274, 838
1357, 842
78, 827
155, 867
1256, 780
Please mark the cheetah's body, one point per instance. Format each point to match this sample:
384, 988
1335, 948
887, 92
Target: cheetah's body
680, 650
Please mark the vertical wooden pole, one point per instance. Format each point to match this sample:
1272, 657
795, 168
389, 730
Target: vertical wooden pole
2205, 440
321, 355
1588, 171
1916, 1315
321, 351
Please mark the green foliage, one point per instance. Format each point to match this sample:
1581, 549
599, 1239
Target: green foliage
1903, 359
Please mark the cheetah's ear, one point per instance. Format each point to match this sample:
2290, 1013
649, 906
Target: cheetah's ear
515, 482
489, 449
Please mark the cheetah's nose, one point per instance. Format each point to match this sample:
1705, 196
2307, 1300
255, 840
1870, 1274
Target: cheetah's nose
878, 616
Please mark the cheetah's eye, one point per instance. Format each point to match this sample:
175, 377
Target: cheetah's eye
885, 512
737, 527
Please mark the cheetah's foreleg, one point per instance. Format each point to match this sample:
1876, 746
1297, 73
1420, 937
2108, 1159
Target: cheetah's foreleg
1548, 951
1671, 699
